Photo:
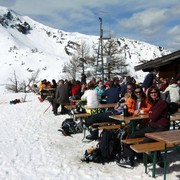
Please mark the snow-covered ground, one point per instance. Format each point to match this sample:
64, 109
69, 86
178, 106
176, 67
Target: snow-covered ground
32, 148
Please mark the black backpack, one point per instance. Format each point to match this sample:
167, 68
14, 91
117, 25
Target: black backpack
172, 107
92, 155
69, 127
108, 147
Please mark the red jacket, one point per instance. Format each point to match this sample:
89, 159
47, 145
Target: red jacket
75, 89
158, 114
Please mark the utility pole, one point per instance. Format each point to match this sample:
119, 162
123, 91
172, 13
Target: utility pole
100, 61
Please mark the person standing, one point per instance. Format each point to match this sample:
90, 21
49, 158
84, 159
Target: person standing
150, 79
61, 97
83, 78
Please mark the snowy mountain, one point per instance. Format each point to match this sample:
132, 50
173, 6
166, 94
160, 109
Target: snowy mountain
27, 46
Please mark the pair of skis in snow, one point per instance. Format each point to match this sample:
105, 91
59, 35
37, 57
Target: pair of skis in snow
22, 100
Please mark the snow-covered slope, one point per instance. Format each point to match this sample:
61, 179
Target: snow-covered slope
27, 46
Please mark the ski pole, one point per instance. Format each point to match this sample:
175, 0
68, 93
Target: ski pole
47, 108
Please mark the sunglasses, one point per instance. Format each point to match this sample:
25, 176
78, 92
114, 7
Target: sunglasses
153, 92
138, 92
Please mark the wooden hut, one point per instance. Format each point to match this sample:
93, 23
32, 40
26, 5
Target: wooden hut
168, 65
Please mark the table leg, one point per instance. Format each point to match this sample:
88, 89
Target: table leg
145, 158
173, 125
165, 161
133, 124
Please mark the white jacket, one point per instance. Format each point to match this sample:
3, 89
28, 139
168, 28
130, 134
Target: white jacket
173, 92
92, 97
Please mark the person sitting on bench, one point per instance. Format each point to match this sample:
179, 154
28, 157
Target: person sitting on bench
136, 102
159, 121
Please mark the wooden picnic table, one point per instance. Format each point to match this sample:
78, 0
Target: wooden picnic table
100, 106
76, 100
130, 119
171, 137
49, 89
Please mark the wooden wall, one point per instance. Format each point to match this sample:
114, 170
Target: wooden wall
169, 71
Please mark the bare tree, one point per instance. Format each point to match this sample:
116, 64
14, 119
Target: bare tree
13, 86
80, 59
82, 55
24, 86
71, 68
115, 63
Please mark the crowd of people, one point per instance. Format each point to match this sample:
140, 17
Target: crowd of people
111, 91
150, 97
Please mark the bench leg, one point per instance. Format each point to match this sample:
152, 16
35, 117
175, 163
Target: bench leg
173, 125
145, 161
154, 164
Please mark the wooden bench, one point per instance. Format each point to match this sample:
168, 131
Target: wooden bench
149, 147
146, 148
95, 125
175, 119
133, 140
46, 94
70, 106
81, 116
109, 127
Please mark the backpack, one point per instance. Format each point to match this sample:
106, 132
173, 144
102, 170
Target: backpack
172, 107
110, 143
108, 147
69, 126
92, 155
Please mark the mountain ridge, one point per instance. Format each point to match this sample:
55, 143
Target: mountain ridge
27, 45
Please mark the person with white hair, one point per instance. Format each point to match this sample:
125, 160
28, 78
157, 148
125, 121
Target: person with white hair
173, 90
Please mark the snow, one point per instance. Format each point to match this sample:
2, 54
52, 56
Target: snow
32, 148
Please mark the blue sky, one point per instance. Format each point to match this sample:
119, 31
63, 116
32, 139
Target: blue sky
153, 21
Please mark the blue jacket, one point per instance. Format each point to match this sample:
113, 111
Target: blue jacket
112, 94
148, 81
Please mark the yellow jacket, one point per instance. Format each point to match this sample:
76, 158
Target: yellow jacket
41, 86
